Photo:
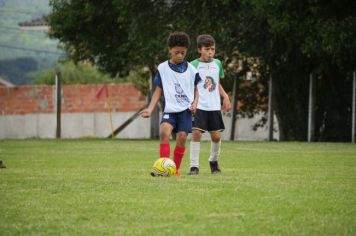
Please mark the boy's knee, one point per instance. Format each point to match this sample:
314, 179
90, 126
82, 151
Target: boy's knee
196, 135
215, 137
216, 140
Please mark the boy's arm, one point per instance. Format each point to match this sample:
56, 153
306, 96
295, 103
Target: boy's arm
226, 101
193, 107
155, 97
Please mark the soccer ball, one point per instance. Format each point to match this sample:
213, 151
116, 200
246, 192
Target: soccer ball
163, 167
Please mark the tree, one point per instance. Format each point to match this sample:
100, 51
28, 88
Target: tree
82, 73
302, 37
285, 39
116, 35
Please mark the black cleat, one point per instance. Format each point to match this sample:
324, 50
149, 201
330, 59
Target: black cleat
193, 171
2, 164
214, 167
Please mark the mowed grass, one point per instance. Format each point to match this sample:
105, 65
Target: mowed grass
103, 187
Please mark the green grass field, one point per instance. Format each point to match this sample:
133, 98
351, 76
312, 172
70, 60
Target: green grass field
103, 187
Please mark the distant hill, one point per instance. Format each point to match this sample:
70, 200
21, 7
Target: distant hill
24, 52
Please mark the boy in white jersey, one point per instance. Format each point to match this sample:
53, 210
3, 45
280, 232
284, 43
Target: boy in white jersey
208, 115
176, 79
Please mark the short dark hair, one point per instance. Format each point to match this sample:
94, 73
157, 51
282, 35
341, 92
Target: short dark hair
205, 40
179, 39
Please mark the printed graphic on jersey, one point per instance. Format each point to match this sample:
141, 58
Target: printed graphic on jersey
209, 83
180, 95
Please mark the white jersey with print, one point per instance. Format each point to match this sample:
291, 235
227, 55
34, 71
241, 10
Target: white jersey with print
178, 88
210, 73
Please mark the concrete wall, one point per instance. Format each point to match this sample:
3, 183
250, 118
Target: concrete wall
81, 125
244, 129
73, 125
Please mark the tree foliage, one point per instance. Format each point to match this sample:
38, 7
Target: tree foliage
302, 37
116, 35
81, 73
285, 39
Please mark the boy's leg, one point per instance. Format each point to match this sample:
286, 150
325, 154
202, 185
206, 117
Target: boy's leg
215, 151
195, 152
179, 149
165, 132
216, 126
200, 124
184, 126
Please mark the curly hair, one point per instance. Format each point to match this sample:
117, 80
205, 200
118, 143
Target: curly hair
178, 39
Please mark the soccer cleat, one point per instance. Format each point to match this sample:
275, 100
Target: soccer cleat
214, 167
193, 171
177, 173
2, 164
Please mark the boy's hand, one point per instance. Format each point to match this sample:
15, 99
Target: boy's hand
146, 113
193, 107
226, 104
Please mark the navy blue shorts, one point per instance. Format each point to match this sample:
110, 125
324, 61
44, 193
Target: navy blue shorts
181, 121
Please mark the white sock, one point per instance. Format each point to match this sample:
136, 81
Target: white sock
194, 154
215, 151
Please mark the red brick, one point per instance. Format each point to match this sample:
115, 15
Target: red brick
76, 98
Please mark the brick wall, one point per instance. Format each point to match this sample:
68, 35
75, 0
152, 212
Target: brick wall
75, 98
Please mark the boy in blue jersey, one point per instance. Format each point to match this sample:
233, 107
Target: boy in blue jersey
176, 80
208, 115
